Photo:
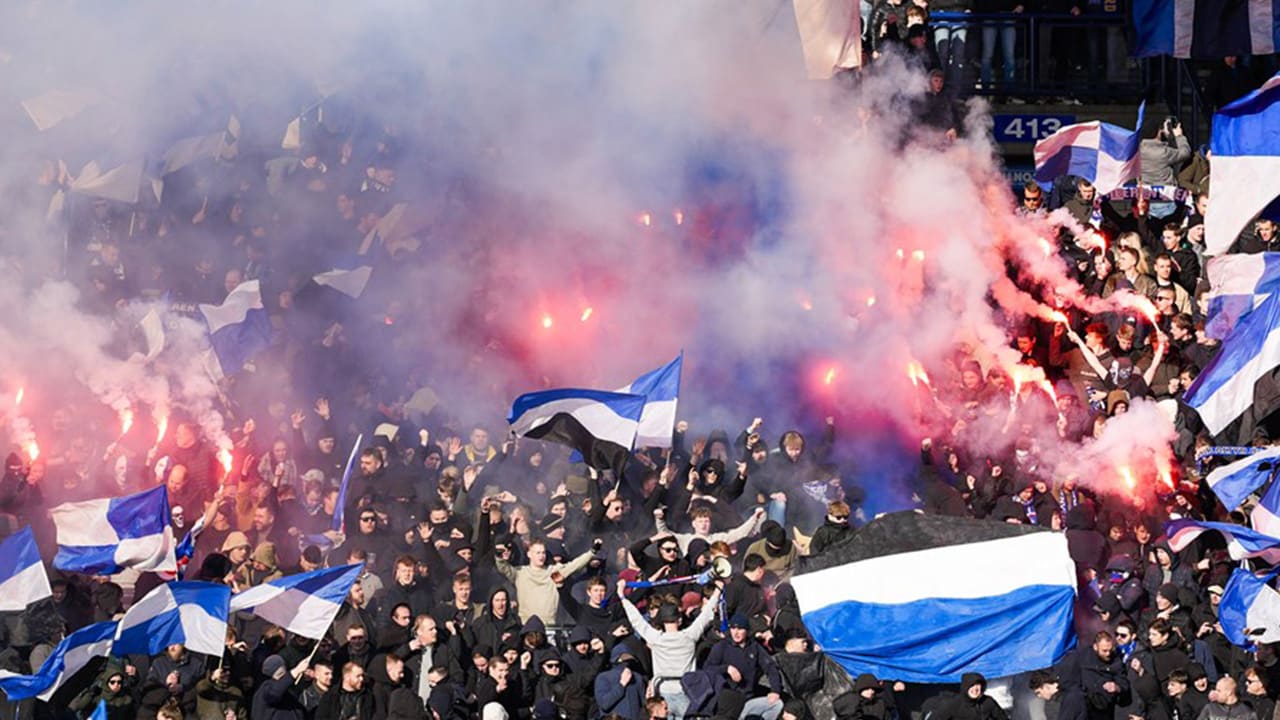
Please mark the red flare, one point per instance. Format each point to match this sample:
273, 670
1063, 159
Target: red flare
17, 399
1127, 475
678, 215
1048, 388
917, 255
32, 449
830, 376
224, 457
871, 300
546, 322
126, 420
1058, 316
645, 219
1045, 246
162, 427
586, 314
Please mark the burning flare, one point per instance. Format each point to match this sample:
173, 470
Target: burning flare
224, 457
829, 376
126, 420
917, 255
586, 315
679, 216
915, 371
546, 322
17, 399
646, 219
1127, 475
32, 449
162, 427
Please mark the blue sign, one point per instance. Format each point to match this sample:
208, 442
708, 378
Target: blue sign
1029, 128
1019, 175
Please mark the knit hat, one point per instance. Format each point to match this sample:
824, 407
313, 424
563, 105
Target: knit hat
691, 600
273, 667
545, 709
551, 523
739, 621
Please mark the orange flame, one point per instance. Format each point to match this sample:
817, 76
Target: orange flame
1045, 246
1127, 475
901, 253
224, 457
1165, 472
805, 304
126, 420
917, 255
871, 300
546, 322
32, 449
646, 219
586, 314
830, 376
1058, 316
915, 371
17, 400
679, 216
162, 427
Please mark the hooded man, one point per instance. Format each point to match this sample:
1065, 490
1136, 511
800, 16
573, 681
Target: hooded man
779, 553
972, 703
620, 690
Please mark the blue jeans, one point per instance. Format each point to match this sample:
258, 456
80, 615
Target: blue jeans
762, 707
776, 511
948, 38
1006, 34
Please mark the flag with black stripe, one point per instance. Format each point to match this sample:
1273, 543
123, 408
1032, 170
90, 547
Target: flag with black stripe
601, 425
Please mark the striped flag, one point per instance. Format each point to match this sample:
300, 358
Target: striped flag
1205, 29
1237, 285
1104, 154
923, 598
1244, 162
103, 537
1224, 389
1233, 483
23, 580
193, 614
600, 425
1249, 610
305, 603
71, 655
661, 391
1242, 542
238, 328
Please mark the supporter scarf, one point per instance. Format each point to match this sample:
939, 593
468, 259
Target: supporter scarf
1030, 506
1068, 499
1223, 451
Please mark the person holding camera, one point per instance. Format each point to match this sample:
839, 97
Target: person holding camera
1164, 155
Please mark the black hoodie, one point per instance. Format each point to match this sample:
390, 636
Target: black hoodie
963, 707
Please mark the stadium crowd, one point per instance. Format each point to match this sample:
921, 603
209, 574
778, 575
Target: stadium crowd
496, 572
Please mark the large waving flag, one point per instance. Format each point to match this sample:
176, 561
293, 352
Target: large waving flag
1266, 514
103, 537
661, 391
1245, 164
339, 508
189, 613
71, 655
1205, 29
830, 35
924, 598
1242, 542
305, 604
1237, 285
600, 425
238, 328
1224, 389
1233, 483
1250, 609
1104, 154
23, 580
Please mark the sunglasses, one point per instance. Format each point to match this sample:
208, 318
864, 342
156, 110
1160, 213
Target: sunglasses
551, 665
115, 682
368, 519
840, 517
669, 549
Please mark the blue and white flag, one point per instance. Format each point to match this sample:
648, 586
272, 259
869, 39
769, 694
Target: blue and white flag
600, 425
72, 654
1242, 542
1250, 609
1245, 160
188, 613
305, 604
1265, 517
103, 537
1224, 389
1205, 29
348, 282
339, 507
22, 577
1233, 483
923, 598
1104, 154
99, 712
1237, 285
661, 391
238, 328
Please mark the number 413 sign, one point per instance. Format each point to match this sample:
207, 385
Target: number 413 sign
1028, 128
